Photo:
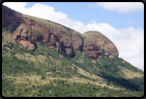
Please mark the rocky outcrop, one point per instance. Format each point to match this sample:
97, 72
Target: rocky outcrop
25, 37
90, 47
60, 39
57, 37
10, 17
94, 41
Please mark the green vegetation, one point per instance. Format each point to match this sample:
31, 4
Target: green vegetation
36, 33
9, 28
24, 73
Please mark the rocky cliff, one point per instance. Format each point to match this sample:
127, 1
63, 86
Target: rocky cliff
10, 17
59, 38
94, 40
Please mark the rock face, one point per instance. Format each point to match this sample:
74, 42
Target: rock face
24, 36
57, 37
94, 40
60, 39
10, 17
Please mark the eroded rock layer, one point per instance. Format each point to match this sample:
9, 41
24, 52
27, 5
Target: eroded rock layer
10, 17
94, 40
59, 38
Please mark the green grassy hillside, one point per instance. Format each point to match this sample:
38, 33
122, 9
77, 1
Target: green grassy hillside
24, 74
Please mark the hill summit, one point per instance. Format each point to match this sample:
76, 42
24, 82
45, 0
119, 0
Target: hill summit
59, 38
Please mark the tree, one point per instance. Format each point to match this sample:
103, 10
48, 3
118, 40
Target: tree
103, 53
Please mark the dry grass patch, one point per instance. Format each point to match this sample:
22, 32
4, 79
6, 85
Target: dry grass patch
51, 58
9, 37
82, 80
35, 59
136, 78
36, 80
86, 81
85, 73
80, 60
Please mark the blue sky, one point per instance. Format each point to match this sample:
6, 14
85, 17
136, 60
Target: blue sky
85, 14
122, 23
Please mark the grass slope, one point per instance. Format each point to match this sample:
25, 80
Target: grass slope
24, 74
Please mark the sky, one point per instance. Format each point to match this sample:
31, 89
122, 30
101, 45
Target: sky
121, 22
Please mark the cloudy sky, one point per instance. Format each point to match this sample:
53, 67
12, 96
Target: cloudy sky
121, 22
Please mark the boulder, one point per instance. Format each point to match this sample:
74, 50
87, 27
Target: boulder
8, 48
57, 64
111, 56
106, 53
50, 73
93, 61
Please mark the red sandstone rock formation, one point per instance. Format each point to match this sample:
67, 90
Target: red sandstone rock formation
59, 38
94, 41
24, 36
10, 17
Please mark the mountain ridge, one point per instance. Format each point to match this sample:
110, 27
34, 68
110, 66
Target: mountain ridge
31, 66
60, 38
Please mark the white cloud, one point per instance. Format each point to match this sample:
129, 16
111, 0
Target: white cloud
129, 41
122, 7
19, 6
37, 10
